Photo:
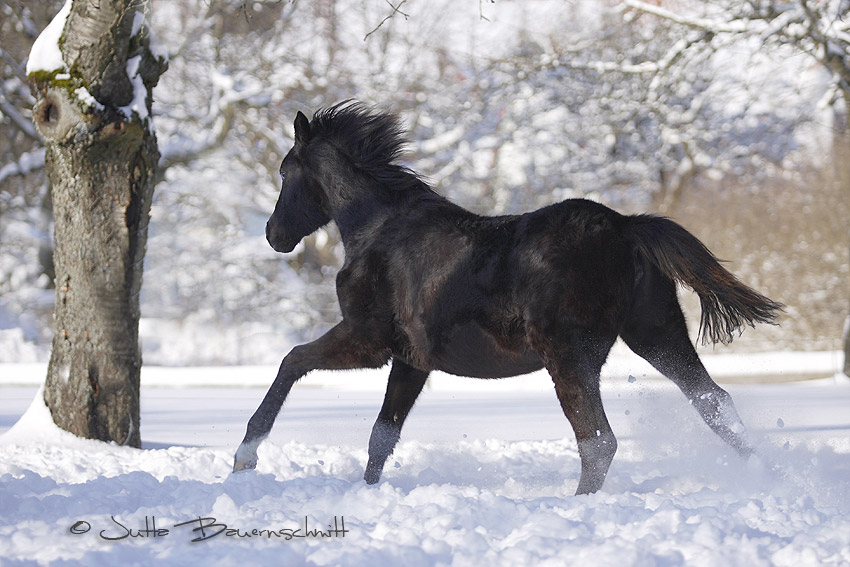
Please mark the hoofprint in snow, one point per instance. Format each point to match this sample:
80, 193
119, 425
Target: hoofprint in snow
484, 475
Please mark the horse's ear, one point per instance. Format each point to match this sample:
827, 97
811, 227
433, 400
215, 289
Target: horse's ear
302, 128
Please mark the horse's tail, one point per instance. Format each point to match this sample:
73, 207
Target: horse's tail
727, 304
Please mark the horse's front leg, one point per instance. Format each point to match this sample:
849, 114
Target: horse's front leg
340, 348
403, 387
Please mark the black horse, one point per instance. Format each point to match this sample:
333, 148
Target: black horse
432, 286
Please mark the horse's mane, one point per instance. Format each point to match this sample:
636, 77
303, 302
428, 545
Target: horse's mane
373, 140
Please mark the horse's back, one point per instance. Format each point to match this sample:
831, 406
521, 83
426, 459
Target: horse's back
465, 287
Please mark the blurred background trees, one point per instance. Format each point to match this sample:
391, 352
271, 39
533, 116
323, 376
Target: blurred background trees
737, 132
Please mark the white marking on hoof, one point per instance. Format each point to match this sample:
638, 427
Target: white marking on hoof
246, 456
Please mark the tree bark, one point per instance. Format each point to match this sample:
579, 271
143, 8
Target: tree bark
846, 368
101, 160
842, 159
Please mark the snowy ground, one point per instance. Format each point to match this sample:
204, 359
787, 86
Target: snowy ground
484, 475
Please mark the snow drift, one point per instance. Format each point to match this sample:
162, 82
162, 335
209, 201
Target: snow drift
482, 476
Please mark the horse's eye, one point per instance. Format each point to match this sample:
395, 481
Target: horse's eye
283, 176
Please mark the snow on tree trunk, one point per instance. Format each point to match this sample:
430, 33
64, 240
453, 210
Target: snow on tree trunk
92, 71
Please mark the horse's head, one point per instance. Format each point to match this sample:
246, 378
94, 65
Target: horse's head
301, 207
343, 167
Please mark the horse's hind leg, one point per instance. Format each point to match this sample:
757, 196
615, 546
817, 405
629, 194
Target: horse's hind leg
403, 387
574, 363
656, 331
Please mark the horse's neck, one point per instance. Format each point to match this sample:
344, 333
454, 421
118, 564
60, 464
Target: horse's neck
356, 215
357, 219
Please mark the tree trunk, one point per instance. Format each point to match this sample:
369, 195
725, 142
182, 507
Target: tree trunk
101, 161
841, 155
847, 346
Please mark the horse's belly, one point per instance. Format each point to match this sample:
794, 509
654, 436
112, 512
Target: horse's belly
471, 351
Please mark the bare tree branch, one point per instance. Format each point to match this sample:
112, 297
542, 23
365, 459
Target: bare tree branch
396, 10
23, 124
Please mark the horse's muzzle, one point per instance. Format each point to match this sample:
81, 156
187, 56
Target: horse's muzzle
279, 241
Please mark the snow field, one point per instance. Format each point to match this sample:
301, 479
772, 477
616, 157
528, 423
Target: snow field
481, 477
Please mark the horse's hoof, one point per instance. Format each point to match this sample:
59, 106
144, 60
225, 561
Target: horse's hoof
245, 458
372, 476
246, 465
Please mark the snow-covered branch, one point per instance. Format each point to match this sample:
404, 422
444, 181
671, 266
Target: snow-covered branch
812, 28
705, 24
217, 123
644, 67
